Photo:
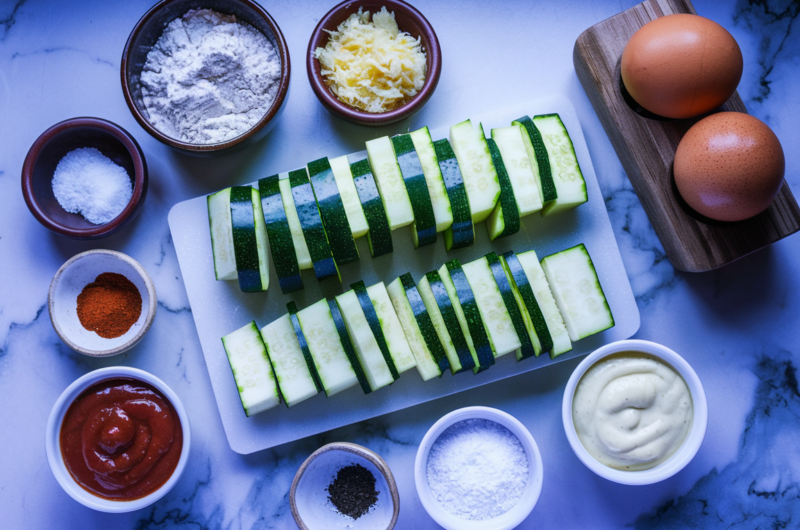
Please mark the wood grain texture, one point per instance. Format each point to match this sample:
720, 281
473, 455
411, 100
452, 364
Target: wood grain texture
647, 148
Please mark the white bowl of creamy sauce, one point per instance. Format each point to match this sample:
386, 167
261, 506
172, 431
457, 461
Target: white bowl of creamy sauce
635, 412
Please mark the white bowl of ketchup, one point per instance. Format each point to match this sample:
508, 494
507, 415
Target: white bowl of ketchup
117, 439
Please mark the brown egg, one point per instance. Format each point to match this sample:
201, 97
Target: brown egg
729, 166
681, 66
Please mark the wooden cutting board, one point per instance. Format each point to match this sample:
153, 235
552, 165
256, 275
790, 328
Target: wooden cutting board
646, 148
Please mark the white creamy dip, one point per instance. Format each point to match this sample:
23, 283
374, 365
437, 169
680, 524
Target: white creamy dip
631, 411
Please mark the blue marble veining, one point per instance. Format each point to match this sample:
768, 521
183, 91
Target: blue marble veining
737, 326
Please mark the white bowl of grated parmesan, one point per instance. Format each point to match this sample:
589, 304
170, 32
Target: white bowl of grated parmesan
478, 468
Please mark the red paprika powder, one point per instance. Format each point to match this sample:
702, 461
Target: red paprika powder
110, 305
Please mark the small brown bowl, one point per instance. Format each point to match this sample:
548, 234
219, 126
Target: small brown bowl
46, 152
308, 497
146, 33
409, 20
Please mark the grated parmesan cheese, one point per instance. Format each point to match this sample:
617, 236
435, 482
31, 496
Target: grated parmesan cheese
372, 66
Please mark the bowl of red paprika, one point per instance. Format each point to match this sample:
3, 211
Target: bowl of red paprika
117, 439
102, 302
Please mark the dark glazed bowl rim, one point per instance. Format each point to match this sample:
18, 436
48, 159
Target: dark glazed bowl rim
140, 178
319, 38
277, 104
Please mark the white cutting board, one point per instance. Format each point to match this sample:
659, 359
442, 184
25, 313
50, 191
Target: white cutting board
220, 307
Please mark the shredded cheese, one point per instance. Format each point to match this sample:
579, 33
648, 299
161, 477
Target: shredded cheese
372, 66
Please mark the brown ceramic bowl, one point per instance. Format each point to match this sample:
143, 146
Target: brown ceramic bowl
43, 157
308, 496
147, 32
409, 20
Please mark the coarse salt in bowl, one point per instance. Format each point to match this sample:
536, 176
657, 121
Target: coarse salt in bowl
505, 521
688, 448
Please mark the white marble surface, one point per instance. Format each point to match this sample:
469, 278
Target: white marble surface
736, 326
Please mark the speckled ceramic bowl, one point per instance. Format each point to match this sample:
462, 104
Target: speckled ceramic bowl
68, 283
309, 497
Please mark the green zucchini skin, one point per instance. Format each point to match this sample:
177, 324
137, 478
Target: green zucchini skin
507, 204
526, 350
417, 187
301, 338
313, 229
451, 322
424, 322
341, 329
462, 232
280, 237
480, 340
379, 235
331, 209
526, 293
244, 239
549, 192
374, 324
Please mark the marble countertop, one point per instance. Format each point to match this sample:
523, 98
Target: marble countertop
737, 326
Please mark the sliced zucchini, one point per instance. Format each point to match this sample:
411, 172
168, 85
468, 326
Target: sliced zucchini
249, 239
578, 293
331, 210
424, 225
491, 304
567, 175
428, 352
504, 219
519, 168
347, 190
433, 176
369, 354
280, 235
303, 343
461, 232
289, 361
445, 321
531, 314
334, 368
374, 324
475, 161
219, 221
544, 297
392, 329
319, 248
299, 240
349, 350
469, 316
390, 182
379, 235
537, 153
251, 369
510, 301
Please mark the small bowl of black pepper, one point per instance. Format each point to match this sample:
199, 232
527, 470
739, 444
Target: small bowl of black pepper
102, 302
344, 484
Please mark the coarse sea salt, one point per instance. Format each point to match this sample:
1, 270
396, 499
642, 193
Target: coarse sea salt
91, 184
477, 469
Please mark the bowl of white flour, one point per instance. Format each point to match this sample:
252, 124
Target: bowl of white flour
208, 76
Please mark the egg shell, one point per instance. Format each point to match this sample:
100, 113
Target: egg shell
681, 66
729, 166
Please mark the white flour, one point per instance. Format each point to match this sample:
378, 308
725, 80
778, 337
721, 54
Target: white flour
477, 469
209, 78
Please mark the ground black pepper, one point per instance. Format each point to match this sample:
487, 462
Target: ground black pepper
353, 492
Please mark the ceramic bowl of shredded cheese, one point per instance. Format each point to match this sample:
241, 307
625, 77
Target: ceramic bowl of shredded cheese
478, 468
208, 78
84, 178
373, 62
